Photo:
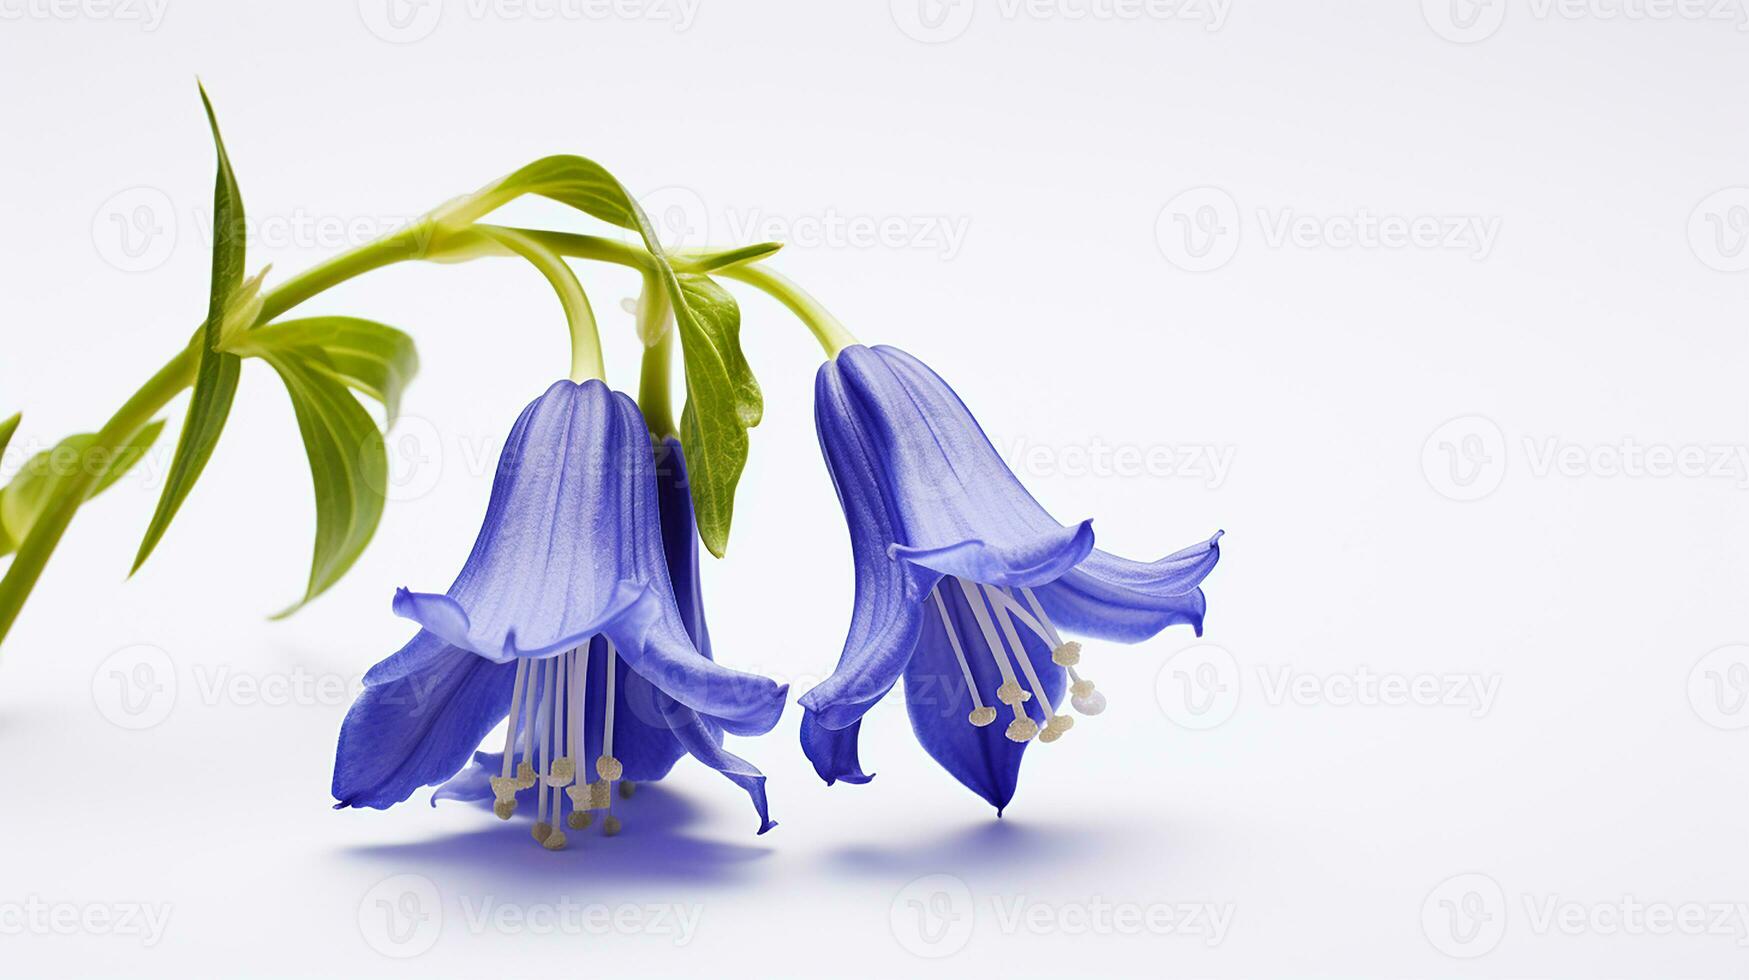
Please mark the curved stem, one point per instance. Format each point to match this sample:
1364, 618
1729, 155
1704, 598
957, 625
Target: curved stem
76, 484
654, 398
825, 327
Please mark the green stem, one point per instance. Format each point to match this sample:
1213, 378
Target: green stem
75, 486
825, 327
654, 378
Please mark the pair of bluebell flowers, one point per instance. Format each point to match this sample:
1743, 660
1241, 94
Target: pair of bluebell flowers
577, 621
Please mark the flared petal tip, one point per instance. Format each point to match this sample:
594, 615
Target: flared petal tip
856, 778
833, 713
437, 613
766, 826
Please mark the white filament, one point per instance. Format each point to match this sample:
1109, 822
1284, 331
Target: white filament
528, 717
991, 640
607, 729
959, 652
515, 718
546, 739
1001, 608
579, 682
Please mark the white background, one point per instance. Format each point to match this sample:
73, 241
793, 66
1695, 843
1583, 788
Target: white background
1601, 318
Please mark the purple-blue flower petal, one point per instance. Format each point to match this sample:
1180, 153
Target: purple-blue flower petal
413, 729
954, 505
572, 546
984, 759
1114, 598
833, 750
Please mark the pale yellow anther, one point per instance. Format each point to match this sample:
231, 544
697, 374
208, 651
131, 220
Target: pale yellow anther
609, 768
504, 788
1022, 729
1059, 724
982, 716
610, 826
1067, 655
561, 772
1010, 693
626, 787
505, 809
1081, 688
555, 841
525, 776
1049, 735
579, 819
579, 794
541, 831
598, 799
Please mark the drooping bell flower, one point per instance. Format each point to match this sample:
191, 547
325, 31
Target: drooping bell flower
567, 622
964, 583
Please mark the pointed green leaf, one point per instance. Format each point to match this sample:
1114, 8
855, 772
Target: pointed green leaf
22, 500
348, 467
7, 428
722, 398
370, 357
215, 383
710, 260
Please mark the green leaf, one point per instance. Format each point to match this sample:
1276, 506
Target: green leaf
348, 466
710, 260
22, 500
370, 357
215, 382
722, 397
7, 428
